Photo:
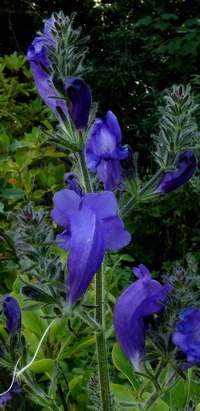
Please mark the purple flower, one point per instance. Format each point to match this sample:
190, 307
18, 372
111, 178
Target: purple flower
4, 398
91, 227
186, 165
12, 312
75, 88
38, 54
104, 146
71, 181
140, 299
80, 96
187, 336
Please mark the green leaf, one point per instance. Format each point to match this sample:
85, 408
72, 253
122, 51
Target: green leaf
145, 22
123, 394
4, 141
122, 363
73, 382
45, 365
13, 193
85, 342
33, 342
166, 16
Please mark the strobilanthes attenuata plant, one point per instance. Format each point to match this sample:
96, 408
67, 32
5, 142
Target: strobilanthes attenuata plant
102, 189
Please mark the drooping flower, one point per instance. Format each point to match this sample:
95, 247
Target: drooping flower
103, 150
140, 299
187, 336
75, 88
79, 94
38, 54
91, 228
12, 312
186, 165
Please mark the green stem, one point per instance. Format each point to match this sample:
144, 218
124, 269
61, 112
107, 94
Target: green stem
84, 171
128, 208
101, 346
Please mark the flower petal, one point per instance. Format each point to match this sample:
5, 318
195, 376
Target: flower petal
113, 125
87, 248
67, 202
105, 204
116, 237
65, 236
110, 174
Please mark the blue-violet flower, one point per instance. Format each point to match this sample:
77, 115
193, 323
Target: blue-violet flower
103, 151
75, 88
12, 312
38, 54
186, 165
91, 227
140, 299
79, 94
187, 336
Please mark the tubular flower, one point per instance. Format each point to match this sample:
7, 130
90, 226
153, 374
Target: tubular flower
186, 165
91, 227
103, 151
140, 299
79, 94
12, 312
187, 336
37, 55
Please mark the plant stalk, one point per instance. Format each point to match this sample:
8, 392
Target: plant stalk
84, 171
101, 346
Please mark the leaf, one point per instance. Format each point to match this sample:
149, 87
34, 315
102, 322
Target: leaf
45, 365
123, 394
73, 382
13, 193
145, 22
33, 342
4, 141
166, 16
85, 342
122, 363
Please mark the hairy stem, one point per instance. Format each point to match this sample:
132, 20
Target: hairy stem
101, 346
84, 171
